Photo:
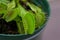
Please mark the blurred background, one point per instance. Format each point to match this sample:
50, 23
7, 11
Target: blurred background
52, 30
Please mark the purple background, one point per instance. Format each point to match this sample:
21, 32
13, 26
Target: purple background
52, 31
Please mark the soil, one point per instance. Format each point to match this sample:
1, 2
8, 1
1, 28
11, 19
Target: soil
8, 28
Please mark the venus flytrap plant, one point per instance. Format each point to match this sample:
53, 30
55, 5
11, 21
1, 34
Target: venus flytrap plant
26, 20
31, 22
10, 12
39, 14
11, 5
22, 13
19, 25
11, 16
5, 2
3, 8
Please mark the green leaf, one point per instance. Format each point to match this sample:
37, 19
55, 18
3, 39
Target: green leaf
19, 25
21, 10
22, 13
2, 11
34, 7
11, 16
39, 14
38, 20
43, 19
29, 22
11, 5
3, 8
4, 2
25, 24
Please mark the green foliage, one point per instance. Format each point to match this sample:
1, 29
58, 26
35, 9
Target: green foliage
39, 14
4, 2
11, 5
27, 20
11, 15
19, 25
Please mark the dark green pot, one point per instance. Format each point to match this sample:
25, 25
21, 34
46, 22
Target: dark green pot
46, 9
